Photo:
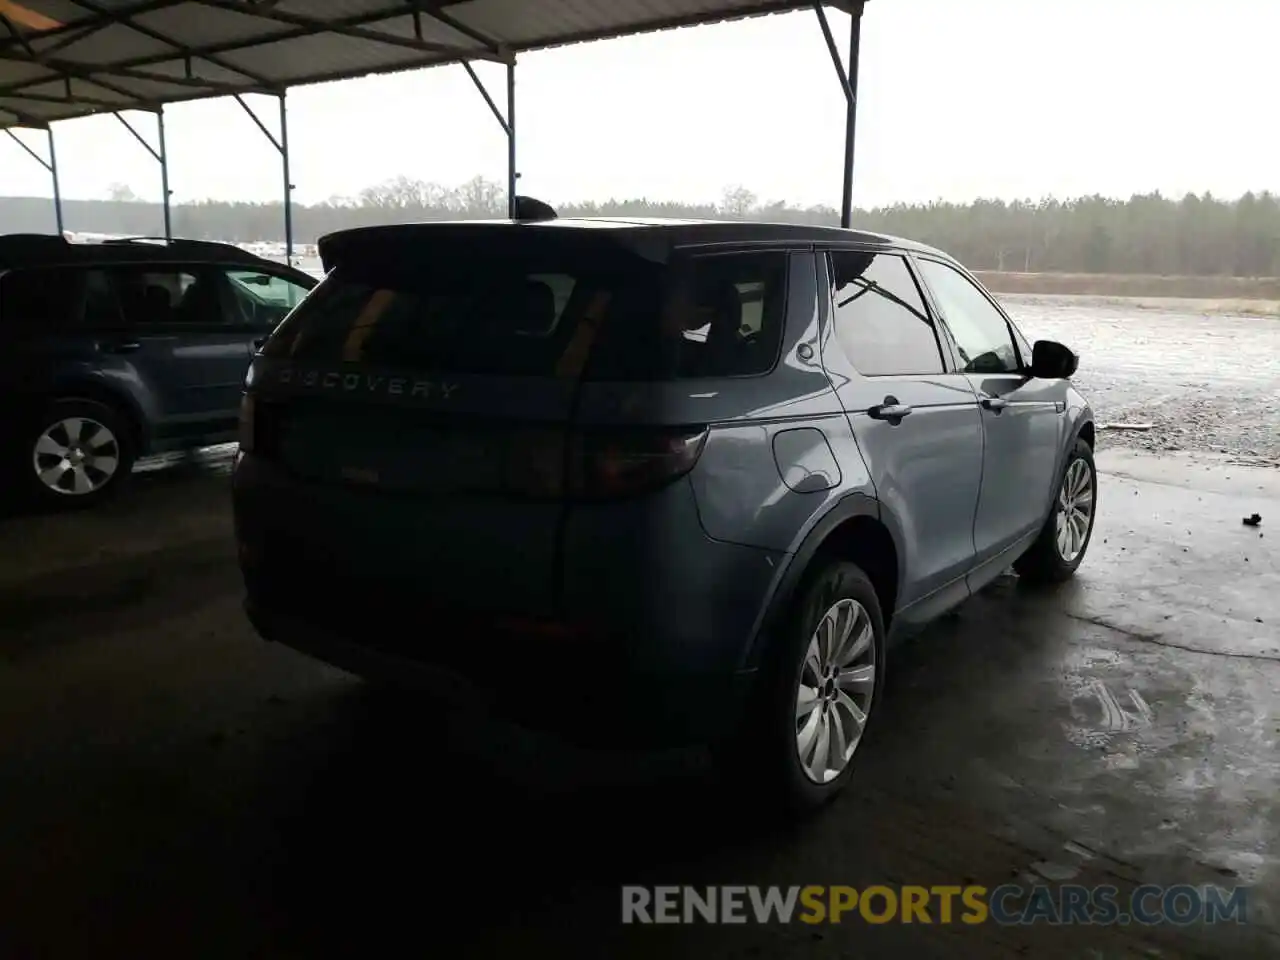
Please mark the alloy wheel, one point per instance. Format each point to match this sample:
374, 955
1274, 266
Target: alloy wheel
1075, 510
833, 696
76, 456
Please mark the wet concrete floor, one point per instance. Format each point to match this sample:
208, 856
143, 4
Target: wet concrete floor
172, 786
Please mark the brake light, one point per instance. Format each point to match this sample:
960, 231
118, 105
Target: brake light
246, 423
599, 464
618, 464
534, 464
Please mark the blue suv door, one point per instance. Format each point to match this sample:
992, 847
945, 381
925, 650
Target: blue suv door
1023, 418
916, 421
186, 348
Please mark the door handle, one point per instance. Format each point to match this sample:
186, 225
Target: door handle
120, 346
890, 410
995, 404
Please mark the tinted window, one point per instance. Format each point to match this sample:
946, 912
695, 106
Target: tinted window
715, 315
547, 310
881, 320
152, 296
260, 300
40, 298
980, 331
257, 287
101, 305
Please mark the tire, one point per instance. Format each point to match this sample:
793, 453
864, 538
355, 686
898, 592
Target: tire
1049, 560
767, 754
97, 449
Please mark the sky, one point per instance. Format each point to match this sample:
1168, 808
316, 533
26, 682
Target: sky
958, 99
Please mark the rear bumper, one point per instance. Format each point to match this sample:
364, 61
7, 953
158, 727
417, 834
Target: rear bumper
554, 684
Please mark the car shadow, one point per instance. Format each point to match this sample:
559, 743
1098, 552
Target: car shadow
418, 816
151, 478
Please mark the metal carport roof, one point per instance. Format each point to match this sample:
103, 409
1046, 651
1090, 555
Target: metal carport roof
61, 59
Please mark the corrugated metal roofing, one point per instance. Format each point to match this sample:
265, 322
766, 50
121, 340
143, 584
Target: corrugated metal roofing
72, 58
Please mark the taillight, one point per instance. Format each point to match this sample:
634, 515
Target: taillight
534, 463
599, 464
246, 423
620, 463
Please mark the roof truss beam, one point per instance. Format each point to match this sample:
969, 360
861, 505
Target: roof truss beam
69, 100
350, 27
70, 84
133, 68
182, 49
66, 71
436, 12
69, 33
101, 76
47, 164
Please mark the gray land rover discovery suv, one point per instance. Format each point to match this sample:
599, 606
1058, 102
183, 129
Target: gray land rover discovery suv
650, 481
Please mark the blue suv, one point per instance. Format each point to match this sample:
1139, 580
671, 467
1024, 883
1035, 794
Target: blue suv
109, 351
650, 481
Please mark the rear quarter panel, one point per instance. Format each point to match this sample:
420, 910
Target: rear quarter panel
35, 371
780, 449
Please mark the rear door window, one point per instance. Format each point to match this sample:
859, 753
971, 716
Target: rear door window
547, 311
101, 305
40, 299
164, 296
881, 321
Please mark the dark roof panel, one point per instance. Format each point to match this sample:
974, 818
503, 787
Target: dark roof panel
138, 54
672, 232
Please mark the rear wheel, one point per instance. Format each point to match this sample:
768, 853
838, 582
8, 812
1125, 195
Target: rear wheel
79, 453
819, 686
1060, 548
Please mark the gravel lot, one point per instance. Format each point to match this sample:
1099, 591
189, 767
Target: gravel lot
1206, 382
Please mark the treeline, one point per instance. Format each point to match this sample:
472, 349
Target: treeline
1146, 234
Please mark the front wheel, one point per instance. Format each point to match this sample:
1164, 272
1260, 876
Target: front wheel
818, 687
1059, 549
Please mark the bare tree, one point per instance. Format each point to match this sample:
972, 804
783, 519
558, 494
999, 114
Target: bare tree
122, 193
737, 202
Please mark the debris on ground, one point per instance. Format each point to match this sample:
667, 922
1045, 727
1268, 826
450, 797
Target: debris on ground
1252, 520
1133, 427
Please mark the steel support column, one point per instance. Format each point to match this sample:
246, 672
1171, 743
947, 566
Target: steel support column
511, 139
281, 144
161, 155
51, 165
288, 180
507, 122
164, 176
849, 84
57, 187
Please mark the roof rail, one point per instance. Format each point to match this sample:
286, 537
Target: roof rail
529, 210
171, 241
24, 240
176, 244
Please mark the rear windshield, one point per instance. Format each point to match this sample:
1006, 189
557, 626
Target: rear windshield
565, 313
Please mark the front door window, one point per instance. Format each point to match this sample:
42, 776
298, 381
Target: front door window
980, 331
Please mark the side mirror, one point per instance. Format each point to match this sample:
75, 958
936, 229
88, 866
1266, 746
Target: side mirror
1051, 360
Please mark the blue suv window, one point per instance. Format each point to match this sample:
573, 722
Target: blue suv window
41, 298
547, 310
881, 321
